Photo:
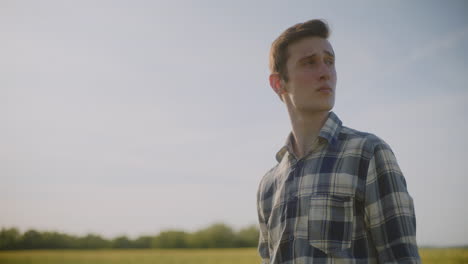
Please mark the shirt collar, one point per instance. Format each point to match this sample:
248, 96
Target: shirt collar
328, 132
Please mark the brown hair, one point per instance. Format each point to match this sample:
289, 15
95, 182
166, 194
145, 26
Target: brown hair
279, 48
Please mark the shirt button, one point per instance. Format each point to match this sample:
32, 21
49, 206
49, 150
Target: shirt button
291, 237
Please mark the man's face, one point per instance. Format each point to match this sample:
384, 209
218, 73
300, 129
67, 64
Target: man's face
312, 75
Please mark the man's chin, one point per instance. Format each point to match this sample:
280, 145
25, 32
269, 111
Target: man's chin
317, 109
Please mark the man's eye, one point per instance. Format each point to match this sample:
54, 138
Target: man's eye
330, 62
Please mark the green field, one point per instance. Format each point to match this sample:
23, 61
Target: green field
177, 256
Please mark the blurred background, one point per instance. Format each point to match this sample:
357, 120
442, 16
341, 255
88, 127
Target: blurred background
133, 117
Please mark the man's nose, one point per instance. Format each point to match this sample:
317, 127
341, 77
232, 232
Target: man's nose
324, 71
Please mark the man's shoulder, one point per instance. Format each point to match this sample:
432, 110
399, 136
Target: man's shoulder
366, 140
267, 185
268, 176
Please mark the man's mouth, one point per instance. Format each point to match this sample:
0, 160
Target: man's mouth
324, 88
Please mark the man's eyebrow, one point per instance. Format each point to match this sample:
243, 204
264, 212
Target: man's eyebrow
329, 53
308, 56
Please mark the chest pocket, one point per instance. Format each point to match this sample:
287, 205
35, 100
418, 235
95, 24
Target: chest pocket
330, 222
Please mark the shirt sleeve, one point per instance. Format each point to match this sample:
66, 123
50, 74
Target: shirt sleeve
263, 237
389, 209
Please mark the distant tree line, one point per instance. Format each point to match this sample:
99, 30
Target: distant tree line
215, 236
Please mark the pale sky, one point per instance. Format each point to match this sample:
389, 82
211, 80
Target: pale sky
132, 117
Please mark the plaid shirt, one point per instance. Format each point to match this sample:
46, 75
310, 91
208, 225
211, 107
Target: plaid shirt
344, 202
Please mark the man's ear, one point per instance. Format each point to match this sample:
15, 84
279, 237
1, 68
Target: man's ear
277, 84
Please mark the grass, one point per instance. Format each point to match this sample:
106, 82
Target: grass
170, 256
178, 256
444, 255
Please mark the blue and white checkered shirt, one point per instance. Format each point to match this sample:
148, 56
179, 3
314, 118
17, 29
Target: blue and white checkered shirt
344, 202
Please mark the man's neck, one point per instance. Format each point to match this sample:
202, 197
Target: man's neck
306, 128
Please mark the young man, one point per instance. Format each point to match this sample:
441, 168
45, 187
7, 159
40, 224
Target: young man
337, 194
